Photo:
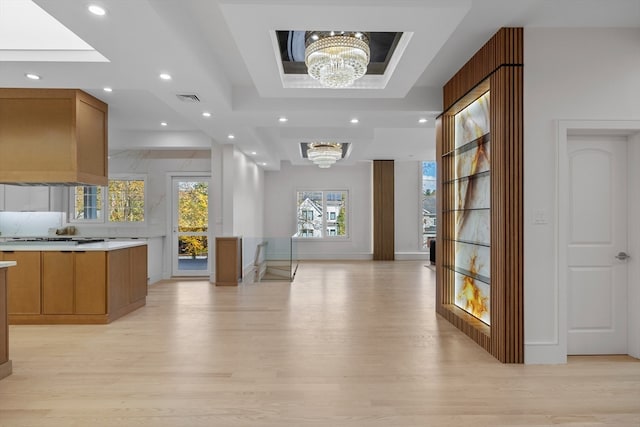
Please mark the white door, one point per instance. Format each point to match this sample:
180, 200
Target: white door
190, 230
597, 280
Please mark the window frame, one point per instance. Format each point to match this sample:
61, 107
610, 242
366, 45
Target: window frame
325, 215
104, 220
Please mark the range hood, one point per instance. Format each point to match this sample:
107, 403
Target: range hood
52, 137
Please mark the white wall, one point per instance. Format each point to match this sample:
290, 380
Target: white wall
581, 74
408, 210
280, 207
248, 205
238, 201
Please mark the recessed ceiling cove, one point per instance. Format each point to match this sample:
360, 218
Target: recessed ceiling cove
292, 51
419, 28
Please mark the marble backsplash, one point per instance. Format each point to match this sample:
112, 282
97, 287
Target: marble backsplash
28, 224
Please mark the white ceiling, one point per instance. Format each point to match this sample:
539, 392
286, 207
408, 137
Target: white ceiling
224, 51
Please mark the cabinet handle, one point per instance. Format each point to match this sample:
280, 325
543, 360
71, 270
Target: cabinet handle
8, 252
80, 252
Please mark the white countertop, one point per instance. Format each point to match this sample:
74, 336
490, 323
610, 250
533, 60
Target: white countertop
5, 264
110, 245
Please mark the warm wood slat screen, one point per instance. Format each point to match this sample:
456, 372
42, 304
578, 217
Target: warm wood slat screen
383, 210
496, 67
504, 48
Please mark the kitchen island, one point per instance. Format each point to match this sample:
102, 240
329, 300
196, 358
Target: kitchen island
72, 283
5, 363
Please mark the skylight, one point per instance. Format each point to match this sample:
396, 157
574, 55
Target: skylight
28, 33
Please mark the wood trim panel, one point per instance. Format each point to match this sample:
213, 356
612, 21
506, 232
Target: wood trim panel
496, 67
383, 210
504, 48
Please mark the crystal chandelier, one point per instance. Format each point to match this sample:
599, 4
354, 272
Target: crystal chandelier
336, 58
324, 154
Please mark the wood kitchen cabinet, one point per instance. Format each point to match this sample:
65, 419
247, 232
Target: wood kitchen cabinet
76, 286
228, 261
90, 286
57, 282
138, 287
52, 136
74, 283
23, 285
4, 332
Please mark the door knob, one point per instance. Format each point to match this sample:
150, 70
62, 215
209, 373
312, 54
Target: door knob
622, 256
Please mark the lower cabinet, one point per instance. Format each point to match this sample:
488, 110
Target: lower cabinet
4, 332
23, 281
57, 282
90, 287
76, 286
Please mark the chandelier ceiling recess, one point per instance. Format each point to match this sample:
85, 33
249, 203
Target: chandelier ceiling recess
336, 58
324, 154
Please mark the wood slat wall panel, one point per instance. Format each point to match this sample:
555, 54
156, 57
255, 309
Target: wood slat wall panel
498, 63
383, 210
504, 48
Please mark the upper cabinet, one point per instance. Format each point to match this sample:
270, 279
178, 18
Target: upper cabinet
17, 198
52, 136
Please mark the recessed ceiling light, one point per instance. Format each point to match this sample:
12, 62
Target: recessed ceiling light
231, 136
422, 120
163, 123
32, 76
283, 119
263, 164
354, 121
165, 76
206, 114
108, 89
253, 153
97, 10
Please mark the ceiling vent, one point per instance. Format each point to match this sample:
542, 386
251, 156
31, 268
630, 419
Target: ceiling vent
188, 97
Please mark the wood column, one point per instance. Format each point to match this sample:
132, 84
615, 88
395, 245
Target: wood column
383, 210
497, 67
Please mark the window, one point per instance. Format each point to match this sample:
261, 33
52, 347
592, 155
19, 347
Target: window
428, 190
322, 214
87, 203
122, 202
126, 200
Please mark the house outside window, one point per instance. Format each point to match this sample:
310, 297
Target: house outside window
428, 205
322, 214
122, 201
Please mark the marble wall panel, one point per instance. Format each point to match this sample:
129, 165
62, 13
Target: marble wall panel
473, 297
474, 226
473, 193
473, 161
473, 121
474, 259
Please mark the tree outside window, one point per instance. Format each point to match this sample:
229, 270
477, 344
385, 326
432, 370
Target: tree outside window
122, 202
193, 216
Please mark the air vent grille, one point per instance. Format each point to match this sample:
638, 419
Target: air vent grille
188, 97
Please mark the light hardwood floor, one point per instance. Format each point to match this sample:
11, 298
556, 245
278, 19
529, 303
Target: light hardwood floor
347, 344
